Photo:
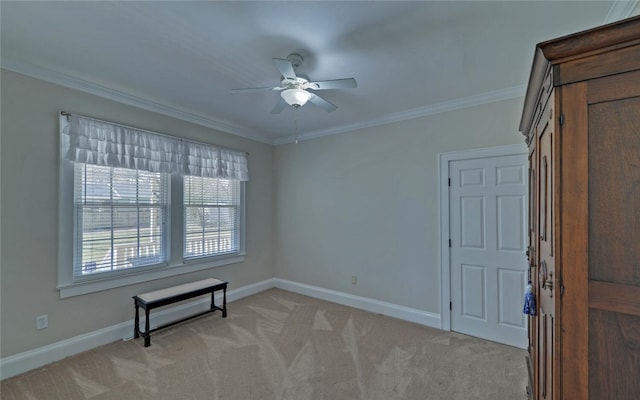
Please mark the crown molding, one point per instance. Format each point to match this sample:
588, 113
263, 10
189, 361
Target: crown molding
61, 79
620, 9
451, 105
149, 105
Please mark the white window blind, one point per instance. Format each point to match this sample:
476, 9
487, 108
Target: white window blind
121, 219
212, 215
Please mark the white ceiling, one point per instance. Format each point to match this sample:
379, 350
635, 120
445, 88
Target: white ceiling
182, 58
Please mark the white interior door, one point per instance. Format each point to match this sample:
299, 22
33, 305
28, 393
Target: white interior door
487, 214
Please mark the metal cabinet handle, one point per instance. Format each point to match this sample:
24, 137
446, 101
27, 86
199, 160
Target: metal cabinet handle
549, 282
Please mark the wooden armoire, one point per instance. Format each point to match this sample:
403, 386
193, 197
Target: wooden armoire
581, 121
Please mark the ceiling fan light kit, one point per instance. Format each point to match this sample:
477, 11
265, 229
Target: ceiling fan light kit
294, 89
295, 97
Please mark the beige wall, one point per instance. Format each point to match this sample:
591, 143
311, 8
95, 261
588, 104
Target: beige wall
365, 203
29, 224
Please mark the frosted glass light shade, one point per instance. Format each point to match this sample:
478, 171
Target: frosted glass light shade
295, 97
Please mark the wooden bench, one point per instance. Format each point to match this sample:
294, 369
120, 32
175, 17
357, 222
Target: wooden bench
149, 301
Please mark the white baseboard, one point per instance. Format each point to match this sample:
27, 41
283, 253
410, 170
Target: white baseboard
31, 359
28, 360
363, 303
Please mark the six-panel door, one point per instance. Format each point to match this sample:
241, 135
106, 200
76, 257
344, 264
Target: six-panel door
488, 207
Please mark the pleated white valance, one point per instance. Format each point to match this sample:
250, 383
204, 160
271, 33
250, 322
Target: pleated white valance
89, 141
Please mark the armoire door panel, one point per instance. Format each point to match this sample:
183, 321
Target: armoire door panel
614, 361
546, 161
544, 194
546, 262
614, 223
614, 204
545, 355
533, 270
533, 202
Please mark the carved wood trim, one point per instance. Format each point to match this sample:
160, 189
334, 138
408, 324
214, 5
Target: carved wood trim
581, 44
591, 40
596, 66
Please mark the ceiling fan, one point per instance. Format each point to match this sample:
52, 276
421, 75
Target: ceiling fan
296, 90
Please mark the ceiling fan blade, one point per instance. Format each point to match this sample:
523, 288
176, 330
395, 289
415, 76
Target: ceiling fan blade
279, 106
285, 67
347, 83
256, 89
322, 103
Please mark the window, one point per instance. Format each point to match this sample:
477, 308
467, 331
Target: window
137, 205
120, 219
211, 217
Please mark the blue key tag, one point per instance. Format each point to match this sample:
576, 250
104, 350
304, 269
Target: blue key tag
529, 300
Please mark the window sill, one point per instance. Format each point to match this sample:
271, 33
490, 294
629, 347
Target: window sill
80, 288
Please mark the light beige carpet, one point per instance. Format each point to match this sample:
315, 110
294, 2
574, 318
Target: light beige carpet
280, 345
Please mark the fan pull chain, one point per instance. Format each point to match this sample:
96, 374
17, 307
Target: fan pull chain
295, 125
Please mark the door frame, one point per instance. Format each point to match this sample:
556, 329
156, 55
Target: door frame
443, 187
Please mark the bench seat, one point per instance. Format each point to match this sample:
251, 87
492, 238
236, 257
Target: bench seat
163, 297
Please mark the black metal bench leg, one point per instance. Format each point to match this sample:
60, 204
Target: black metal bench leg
136, 324
147, 334
224, 302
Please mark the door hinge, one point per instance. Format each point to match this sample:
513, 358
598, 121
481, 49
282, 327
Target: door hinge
561, 119
449, 181
450, 306
449, 242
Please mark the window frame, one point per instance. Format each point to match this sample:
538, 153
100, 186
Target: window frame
237, 233
69, 286
78, 240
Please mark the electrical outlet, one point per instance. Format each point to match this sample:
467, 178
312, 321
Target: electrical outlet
42, 321
354, 280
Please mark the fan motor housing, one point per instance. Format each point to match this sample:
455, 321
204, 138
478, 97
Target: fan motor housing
296, 59
297, 83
